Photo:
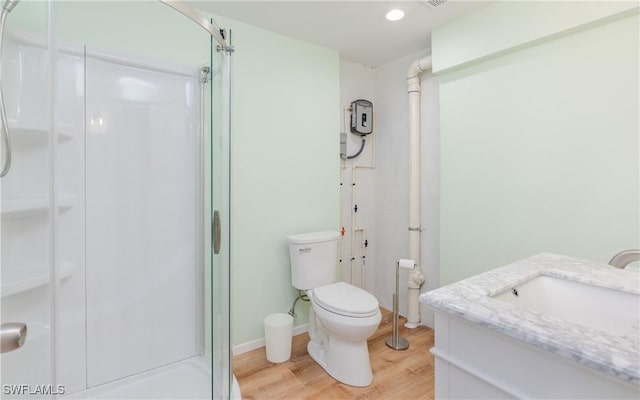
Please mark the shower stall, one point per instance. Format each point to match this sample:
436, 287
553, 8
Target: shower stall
115, 207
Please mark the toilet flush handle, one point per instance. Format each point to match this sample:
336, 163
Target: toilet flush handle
304, 250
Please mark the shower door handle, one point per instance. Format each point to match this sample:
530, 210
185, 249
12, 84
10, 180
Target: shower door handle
12, 336
216, 232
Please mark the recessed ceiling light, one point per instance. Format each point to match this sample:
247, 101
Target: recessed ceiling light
395, 15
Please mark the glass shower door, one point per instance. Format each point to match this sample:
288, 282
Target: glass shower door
107, 229
220, 279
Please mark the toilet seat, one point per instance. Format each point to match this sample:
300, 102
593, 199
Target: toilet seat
347, 300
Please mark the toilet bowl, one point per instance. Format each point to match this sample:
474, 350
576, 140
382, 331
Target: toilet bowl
342, 318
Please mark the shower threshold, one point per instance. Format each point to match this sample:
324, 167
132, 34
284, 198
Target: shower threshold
187, 379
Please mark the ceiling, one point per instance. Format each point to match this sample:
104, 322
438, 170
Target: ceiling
357, 29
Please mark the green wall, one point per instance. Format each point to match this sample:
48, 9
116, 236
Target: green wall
285, 165
138, 27
540, 142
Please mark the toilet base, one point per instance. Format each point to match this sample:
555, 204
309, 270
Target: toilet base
346, 361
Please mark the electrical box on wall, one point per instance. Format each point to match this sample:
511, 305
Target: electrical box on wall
343, 143
361, 117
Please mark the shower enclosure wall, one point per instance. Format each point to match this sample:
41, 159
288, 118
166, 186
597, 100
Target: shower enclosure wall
119, 162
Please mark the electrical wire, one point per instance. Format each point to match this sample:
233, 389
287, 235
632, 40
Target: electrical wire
345, 157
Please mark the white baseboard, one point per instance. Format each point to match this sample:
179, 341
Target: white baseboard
256, 344
248, 346
300, 329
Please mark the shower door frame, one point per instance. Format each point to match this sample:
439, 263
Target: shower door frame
219, 229
217, 176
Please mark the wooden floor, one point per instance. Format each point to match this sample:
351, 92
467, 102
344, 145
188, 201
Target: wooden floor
397, 375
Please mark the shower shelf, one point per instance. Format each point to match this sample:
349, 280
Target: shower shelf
37, 133
23, 279
26, 207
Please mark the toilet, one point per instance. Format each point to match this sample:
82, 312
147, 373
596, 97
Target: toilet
342, 316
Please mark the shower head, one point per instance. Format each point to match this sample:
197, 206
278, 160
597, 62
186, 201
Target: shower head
9, 4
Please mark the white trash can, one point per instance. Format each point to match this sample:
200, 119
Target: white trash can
278, 330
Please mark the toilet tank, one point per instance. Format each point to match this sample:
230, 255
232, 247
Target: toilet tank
314, 258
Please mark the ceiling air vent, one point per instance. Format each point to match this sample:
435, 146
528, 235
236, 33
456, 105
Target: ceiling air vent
435, 3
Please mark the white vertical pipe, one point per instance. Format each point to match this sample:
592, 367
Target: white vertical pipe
343, 168
416, 278
363, 259
353, 225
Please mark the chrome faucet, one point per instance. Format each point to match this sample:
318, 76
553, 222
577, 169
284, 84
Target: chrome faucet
12, 336
625, 258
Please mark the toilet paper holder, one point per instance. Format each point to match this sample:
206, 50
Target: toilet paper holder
395, 341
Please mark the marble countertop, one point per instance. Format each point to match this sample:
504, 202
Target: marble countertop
470, 300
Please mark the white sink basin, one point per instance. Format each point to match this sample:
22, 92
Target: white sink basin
608, 310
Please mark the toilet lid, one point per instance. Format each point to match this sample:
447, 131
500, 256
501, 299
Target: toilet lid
344, 299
